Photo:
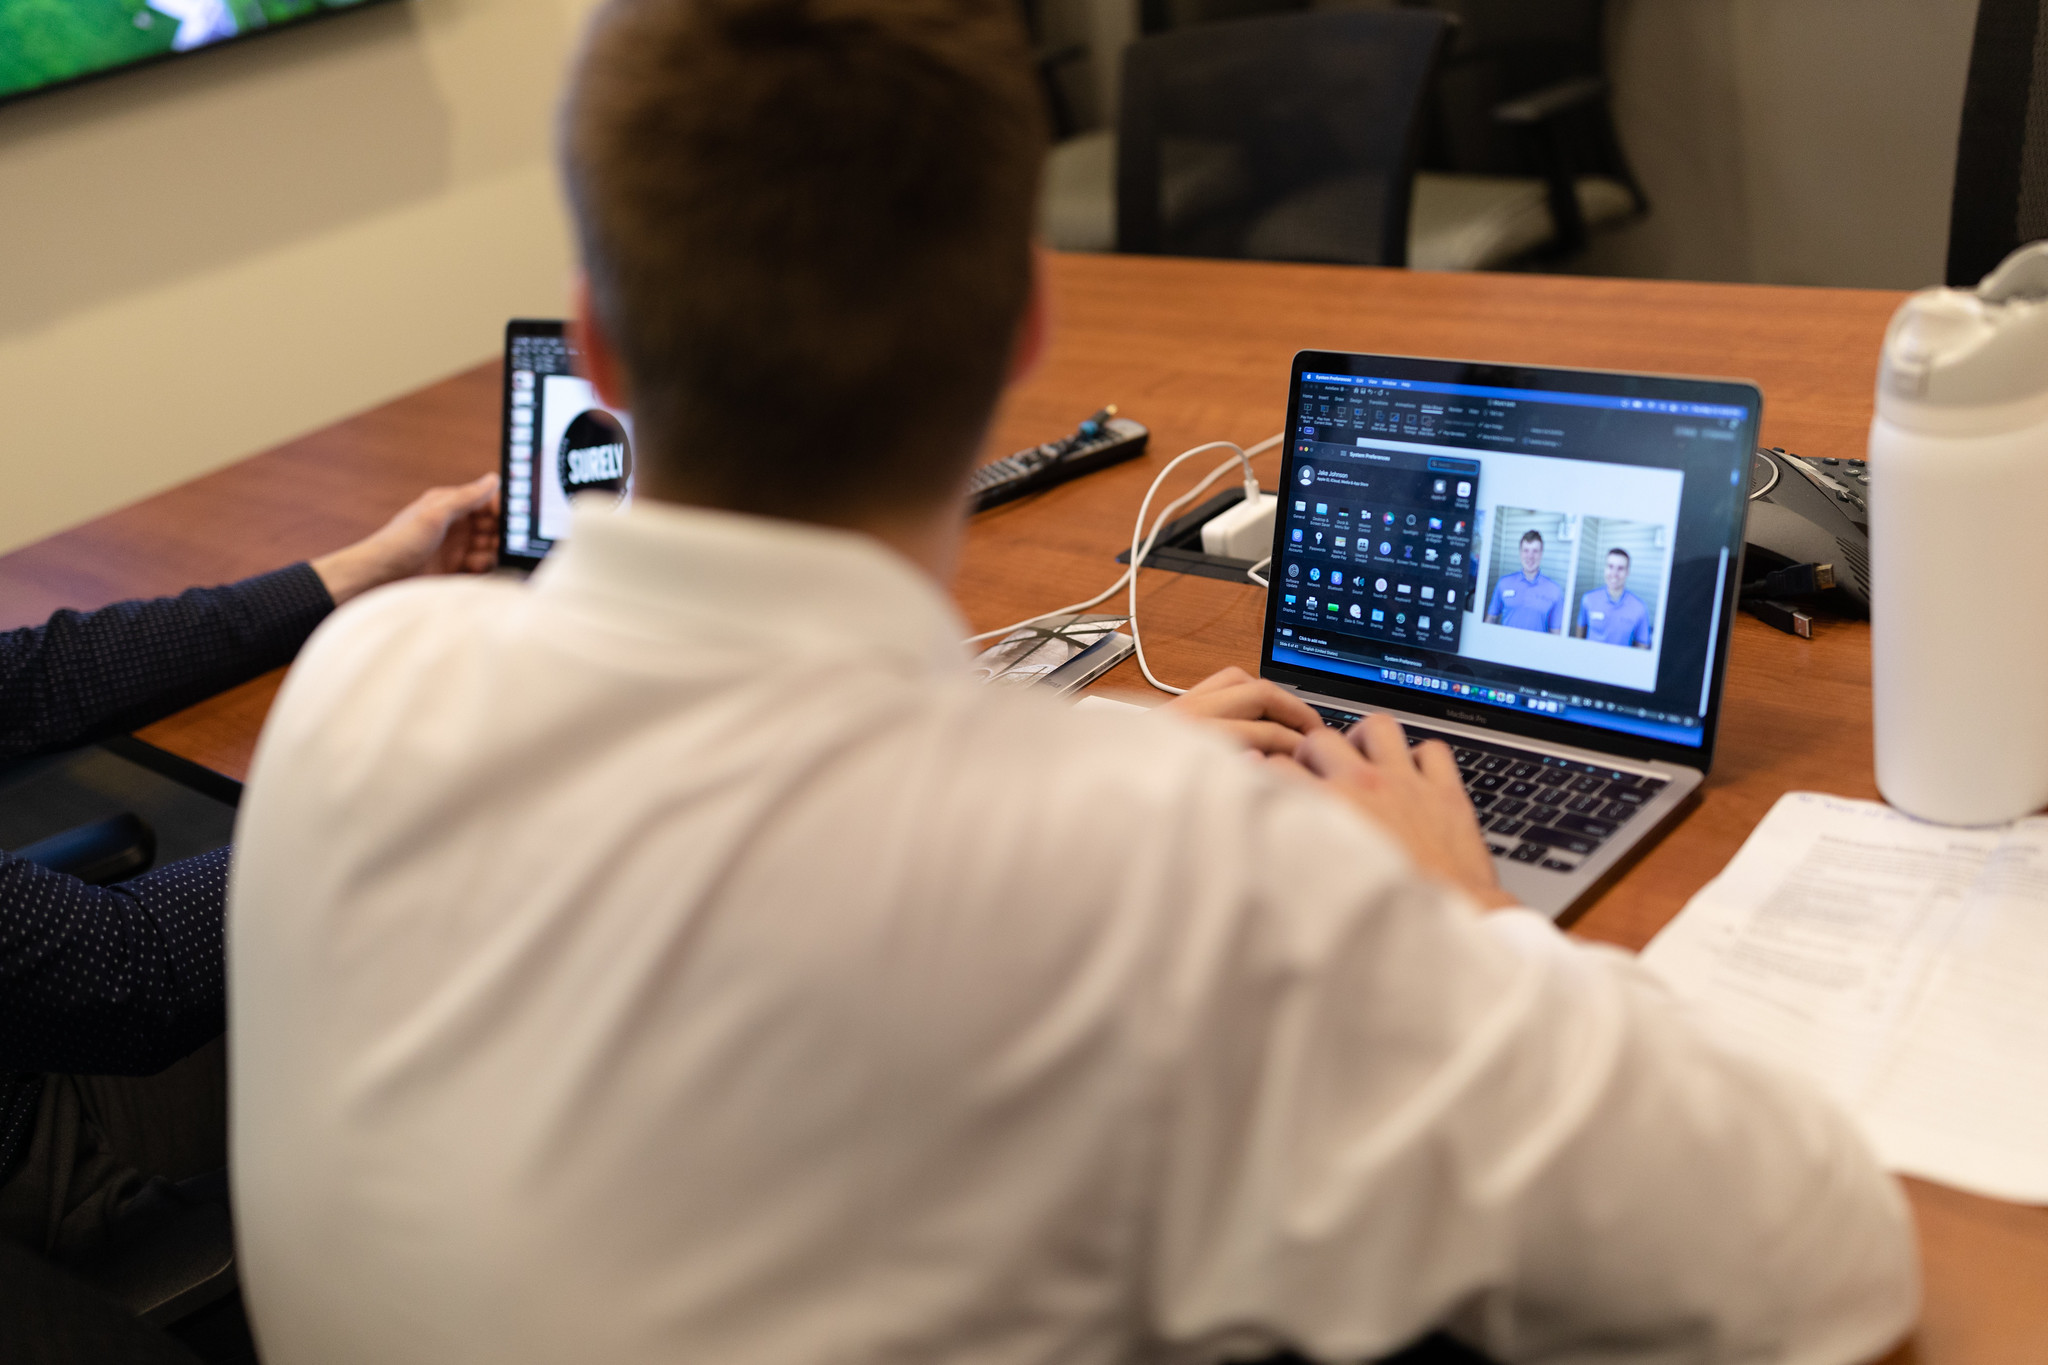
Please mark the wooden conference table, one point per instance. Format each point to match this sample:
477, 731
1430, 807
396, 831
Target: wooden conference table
1198, 351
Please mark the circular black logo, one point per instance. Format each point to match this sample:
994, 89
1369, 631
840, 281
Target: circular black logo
595, 454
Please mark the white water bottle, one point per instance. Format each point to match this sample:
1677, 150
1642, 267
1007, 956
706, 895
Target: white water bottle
1958, 528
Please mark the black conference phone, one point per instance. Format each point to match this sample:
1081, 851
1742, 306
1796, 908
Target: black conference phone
1810, 511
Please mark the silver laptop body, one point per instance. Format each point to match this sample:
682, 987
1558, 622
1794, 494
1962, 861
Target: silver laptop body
1538, 566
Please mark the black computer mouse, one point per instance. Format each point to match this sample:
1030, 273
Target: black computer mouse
1808, 511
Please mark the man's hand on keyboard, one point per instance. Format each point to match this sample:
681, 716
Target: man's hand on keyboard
1263, 717
1417, 795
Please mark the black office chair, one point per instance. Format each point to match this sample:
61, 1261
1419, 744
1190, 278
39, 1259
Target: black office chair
48, 1317
1053, 61
1162, 16
1077, 208
1291, 138
171, 1262
103, 813
2001, 192
1520, 156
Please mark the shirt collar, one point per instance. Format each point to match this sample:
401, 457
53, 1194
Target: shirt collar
790, 586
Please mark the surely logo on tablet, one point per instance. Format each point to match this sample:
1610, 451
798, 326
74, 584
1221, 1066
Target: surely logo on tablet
595, 454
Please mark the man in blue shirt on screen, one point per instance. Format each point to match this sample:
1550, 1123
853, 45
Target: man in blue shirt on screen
1612, 615
1528, 600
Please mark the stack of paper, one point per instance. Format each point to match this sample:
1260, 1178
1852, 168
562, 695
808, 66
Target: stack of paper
1904, 966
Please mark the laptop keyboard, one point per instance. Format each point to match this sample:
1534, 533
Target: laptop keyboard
1533, 808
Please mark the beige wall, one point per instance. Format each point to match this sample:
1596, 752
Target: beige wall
203, 259
1790, 141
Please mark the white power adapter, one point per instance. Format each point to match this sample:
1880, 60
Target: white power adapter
1244, 531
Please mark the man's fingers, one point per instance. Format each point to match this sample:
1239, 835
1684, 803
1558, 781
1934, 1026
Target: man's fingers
1264, 736
458, 500
1291, 710
1286, 766
1328, 754
483, 548
487, 490
1232, 701
1222, 678
1434, 758
479, 488
1269, 701
475, 496
1380, 738
436, 509
1255, 700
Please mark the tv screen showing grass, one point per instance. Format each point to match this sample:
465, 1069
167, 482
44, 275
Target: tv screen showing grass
46, 43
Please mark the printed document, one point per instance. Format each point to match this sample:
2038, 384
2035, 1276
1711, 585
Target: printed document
1902, 965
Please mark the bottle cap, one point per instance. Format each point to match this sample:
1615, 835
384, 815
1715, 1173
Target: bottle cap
1971, 348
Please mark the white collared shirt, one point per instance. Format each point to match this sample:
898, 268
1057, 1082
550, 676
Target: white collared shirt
676, 959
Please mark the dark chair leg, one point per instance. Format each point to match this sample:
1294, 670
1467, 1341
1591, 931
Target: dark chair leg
48, 1317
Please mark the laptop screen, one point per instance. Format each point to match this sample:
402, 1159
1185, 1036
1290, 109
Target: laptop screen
559, 441
1549, 552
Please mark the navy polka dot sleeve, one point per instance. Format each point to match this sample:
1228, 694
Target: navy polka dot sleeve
110, 980
123, 980
87, 675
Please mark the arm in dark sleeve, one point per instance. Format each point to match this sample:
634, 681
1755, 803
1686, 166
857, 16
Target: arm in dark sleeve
113, 980
85, 675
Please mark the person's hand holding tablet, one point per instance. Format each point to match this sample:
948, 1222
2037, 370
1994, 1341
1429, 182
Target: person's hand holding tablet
444, 530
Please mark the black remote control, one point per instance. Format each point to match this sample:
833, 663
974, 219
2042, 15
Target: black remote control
1104, 439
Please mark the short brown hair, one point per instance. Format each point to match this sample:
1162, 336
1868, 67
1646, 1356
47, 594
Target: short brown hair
807, 226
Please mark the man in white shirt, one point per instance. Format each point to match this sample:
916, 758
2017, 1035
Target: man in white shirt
677, 959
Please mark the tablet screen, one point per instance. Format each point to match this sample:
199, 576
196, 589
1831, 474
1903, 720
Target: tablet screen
559, 441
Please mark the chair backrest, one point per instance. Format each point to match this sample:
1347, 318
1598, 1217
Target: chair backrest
1502, 50
1284, 138
1157, 16
48, 1315
2001, 193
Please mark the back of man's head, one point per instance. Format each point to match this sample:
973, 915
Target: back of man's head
807, 228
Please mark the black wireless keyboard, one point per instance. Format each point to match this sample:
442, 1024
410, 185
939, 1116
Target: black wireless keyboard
1534, 808
1112, 440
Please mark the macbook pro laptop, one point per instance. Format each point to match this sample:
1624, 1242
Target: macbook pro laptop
1537, 566
559, 442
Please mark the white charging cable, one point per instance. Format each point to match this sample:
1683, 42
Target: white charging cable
1138, 556
1142, 550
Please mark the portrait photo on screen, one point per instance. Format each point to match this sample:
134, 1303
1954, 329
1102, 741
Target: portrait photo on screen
1618, 582
1531, 565
1546, 544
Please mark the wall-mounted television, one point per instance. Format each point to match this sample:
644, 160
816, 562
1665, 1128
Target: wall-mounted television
48, 43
